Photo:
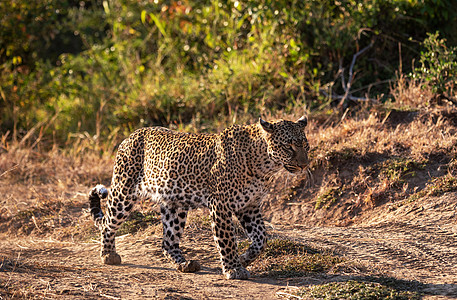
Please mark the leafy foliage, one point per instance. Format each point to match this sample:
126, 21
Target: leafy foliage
438, 66
110, 66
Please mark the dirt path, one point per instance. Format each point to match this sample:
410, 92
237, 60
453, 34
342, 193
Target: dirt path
415, 244
425, 254
52, 269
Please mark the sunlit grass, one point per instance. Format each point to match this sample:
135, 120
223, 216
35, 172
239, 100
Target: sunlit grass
351, 290
287, 258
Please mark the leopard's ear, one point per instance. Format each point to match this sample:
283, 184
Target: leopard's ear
268, 127
303, 121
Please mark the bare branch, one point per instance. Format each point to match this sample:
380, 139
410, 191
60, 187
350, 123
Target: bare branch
352, 98
341, 72
351, 68
354, 58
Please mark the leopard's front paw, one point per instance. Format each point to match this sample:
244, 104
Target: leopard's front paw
189, 266
244, 261
111, 258
238, 273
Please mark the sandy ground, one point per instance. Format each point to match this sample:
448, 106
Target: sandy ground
415, 244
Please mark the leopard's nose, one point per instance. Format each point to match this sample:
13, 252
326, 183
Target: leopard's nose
302, 160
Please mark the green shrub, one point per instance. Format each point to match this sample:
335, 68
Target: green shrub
438, 66
112, 66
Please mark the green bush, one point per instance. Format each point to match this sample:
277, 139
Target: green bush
114, 65
438, 66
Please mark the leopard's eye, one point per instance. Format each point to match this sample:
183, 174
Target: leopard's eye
288, 147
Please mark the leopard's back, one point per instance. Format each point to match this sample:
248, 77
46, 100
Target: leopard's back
167, 165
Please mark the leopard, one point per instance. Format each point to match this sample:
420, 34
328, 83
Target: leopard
228, 172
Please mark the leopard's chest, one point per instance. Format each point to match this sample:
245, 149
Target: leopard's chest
239, 191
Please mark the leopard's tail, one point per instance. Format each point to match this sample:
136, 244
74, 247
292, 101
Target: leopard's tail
96, 194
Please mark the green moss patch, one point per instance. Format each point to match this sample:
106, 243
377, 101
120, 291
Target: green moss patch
354, 290
328, 198
286, 258
437, 187
138, 221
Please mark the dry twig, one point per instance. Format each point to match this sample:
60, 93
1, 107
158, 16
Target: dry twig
284, 294
347, 86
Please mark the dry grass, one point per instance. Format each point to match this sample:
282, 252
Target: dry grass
360, 160
382, 155
390, 154
430, 132
411, 94
45, 191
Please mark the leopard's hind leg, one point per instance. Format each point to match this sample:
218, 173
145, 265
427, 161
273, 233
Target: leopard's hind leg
118, 207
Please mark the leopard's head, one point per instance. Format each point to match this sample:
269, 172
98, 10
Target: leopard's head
287, 143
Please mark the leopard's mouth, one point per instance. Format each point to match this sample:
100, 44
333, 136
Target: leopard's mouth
293, 168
